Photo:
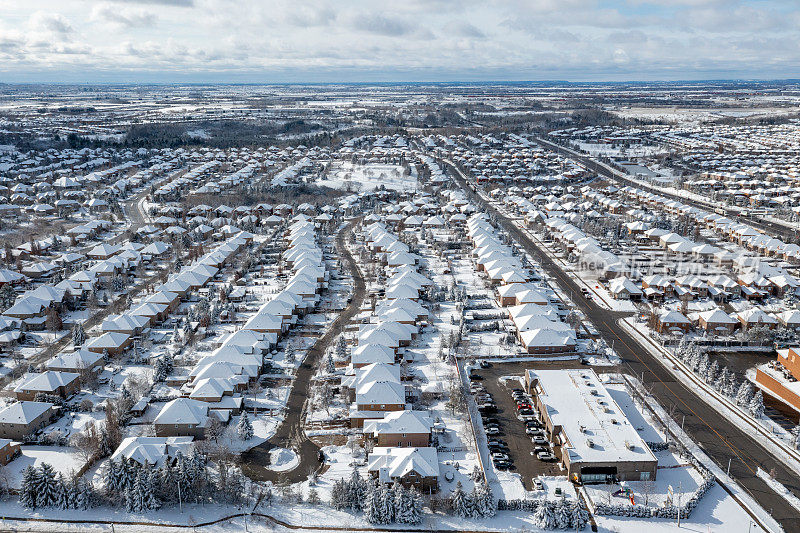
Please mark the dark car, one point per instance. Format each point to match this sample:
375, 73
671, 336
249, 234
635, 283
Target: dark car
485, 364
526, 411
475, 377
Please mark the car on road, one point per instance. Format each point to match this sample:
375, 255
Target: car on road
545, 456
538, 439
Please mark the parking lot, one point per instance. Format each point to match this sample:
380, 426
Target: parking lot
520, 446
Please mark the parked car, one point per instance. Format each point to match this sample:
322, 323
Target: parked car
485, 364
499, 456
537, 484
533, 432
546, 456
535, 423
502, 465
538, 439
492, 431
526, 411
475, 377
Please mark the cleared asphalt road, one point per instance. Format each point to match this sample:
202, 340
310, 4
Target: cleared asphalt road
721, 439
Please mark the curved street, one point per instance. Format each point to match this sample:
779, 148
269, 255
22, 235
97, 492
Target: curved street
290, 434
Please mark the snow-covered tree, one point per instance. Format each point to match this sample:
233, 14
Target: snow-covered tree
796, 437
756, 406
47, 487
340, 495
64, 496
744, 394
356, 488
712, 373
460, 502
330, 366
544, 516
290, 354
483, 501
580, 517
244, 429
563, 514
78, 335
27, 492
372, 504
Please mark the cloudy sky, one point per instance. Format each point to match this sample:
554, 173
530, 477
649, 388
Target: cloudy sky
414, 40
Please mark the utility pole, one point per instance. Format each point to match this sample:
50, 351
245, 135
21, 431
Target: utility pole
180, 502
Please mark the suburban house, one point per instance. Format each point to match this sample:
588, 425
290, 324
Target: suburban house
400, 429
21, 419
56, 383
411, 467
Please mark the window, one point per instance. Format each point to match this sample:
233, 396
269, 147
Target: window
644, 476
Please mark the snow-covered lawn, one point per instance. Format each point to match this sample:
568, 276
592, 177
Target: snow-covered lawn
282, 459
64, 460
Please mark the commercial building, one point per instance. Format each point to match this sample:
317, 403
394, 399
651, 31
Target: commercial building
591, 433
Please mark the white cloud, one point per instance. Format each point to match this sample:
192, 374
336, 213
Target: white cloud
465, 39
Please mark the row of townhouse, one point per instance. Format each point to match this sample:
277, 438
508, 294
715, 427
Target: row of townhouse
215, 385
531, 304
381, 395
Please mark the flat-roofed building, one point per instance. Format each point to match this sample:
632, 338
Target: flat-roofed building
597, 442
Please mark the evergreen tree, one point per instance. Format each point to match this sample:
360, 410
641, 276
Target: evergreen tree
340, 495
415, 514
27, 493
580, 517
372, 504
563, 514
461, 505
387, 508
712, 373
63, 493
485, 505
168, 483
544, 517
757, 405
704, 363
149, 488
47, 487
84, 494
78, 335
356, 489
244, 429
796, 437
744, 394
330, 366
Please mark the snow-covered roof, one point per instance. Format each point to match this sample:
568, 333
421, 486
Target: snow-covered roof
594, 427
